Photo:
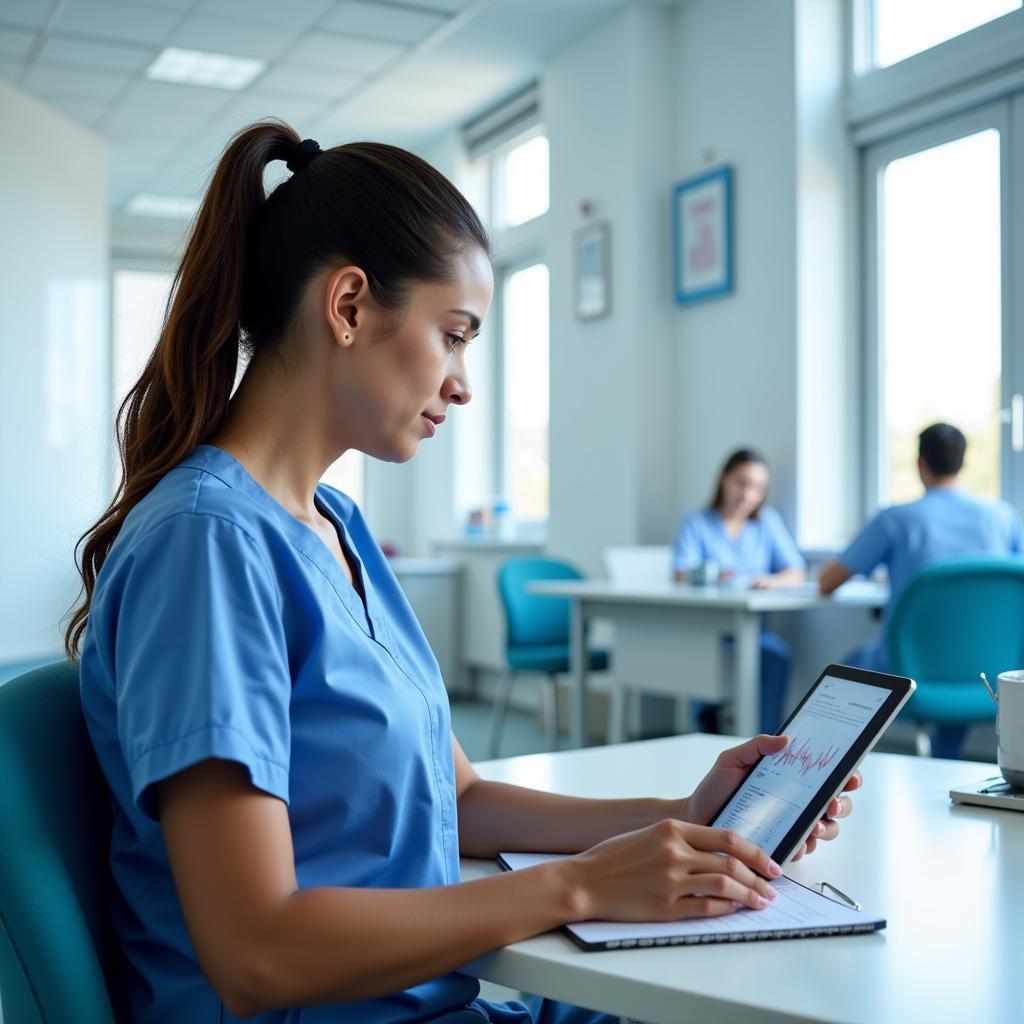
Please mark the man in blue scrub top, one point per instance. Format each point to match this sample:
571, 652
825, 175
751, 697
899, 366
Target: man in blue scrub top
945, 523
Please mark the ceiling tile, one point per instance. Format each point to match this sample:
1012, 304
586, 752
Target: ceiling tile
34, 13
159, 109
59, 49
337, 50
376, 21
177, 5
116, 21
50, 80
450, 6
15, 42
179, 178
295, 14
220, 35
293, 110
86, 111
291, 80
357, 122
11, 69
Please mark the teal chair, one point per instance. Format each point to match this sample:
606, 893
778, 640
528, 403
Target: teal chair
54, 844
537, 638
952, 621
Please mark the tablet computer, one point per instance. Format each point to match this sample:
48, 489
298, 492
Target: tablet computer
837, 722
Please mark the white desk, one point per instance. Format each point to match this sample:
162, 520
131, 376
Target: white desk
949, 880
672, 624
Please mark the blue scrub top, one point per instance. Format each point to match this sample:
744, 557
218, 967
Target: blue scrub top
945, 523
762, 546
223, 627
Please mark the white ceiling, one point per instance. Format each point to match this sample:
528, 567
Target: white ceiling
397, 70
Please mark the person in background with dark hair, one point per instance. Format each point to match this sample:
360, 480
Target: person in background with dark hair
290, 803
749, 544
945, 523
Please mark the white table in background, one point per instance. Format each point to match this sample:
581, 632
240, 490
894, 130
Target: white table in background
658, 626
948, 879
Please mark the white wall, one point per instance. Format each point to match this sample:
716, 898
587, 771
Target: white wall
737, 359
54, 361
829, 431
760, 86
608, 110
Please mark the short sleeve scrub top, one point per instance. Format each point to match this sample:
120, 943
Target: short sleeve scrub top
222, 627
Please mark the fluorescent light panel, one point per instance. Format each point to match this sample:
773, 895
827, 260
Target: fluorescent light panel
149, 204
195, 67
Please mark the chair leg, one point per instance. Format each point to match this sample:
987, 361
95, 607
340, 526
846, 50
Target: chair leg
923, 742
549, 695
501, 697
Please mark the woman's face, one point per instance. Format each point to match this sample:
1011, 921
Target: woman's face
395, 390
744, 488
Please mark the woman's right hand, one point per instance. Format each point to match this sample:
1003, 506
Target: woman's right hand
670, 871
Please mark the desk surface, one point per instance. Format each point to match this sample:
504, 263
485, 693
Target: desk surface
857, 593
948, 878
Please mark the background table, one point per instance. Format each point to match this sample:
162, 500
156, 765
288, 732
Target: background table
948, 878
672, 624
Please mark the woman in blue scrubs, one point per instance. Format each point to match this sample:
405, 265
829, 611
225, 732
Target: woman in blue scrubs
290, 804
750, 546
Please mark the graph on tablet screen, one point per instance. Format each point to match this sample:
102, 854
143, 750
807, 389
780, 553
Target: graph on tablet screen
777, 792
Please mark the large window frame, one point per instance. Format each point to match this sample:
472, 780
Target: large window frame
513, 248
965, 84
875, 159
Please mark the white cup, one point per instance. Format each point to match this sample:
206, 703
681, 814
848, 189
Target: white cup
1010, 727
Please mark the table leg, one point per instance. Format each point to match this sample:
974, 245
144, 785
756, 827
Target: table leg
578, 676
747, 631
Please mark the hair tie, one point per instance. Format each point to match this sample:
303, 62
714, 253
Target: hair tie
302, 154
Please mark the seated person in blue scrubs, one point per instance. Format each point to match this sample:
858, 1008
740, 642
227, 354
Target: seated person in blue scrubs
946, 522
290, 803
750, 544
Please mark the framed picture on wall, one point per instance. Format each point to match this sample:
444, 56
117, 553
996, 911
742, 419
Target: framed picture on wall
593, 271
702, 236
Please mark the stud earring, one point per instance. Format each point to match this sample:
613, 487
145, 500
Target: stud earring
348, 337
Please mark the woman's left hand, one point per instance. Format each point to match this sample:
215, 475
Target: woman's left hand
727, 773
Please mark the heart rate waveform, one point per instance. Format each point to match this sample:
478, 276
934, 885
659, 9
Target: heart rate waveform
805, 757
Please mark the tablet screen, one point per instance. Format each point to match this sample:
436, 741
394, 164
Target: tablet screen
822, 734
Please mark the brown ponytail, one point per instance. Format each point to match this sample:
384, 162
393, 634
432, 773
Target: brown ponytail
243, 270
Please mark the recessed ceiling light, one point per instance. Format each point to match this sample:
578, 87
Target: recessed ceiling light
195, 67
149, 204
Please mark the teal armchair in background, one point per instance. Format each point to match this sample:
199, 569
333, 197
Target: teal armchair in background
54, 847
952, 621
537, 638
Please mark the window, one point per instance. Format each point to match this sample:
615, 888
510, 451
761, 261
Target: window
905, 27
521, 182
347, 474
140, 299
507, 178
139, 302
939, 310
525, 342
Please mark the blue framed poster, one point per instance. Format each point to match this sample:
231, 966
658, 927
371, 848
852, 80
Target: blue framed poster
702, 240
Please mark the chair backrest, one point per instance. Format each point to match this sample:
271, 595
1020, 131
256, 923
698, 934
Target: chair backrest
54, 847
958, 618
532, 619
638, 563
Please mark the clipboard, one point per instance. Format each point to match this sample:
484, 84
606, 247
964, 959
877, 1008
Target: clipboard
798, 912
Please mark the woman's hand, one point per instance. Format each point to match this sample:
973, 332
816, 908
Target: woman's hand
670, 871
727, 773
